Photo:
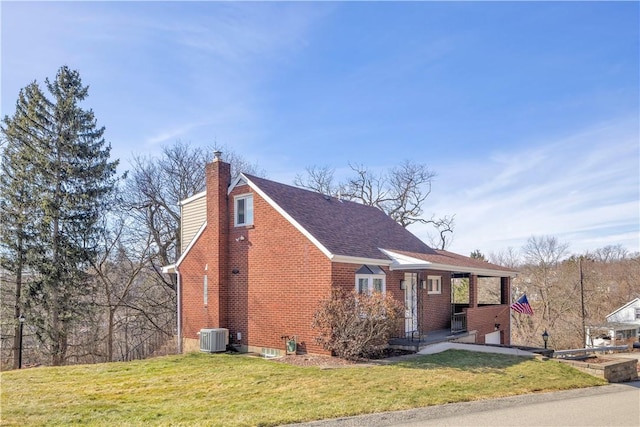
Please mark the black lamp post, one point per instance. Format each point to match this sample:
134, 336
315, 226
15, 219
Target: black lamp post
21, 319
545, 338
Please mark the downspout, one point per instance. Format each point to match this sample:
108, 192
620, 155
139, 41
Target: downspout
179, 310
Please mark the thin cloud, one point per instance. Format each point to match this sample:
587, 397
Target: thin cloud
583, 188
171, 134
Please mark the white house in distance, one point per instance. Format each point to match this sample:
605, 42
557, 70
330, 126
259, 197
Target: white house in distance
622, 327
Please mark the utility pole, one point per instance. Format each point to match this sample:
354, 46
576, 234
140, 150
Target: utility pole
584, 337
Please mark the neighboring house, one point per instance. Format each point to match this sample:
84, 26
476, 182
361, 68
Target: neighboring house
259, 256
622, 327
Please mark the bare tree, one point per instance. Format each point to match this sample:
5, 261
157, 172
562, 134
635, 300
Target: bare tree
153, 191
367, 187
409, 187
318, 179
508, 258
543, 255
611, 253
444, 228
117, 271
157, 185
400, 193
559, 286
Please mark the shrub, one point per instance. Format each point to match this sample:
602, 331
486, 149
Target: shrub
353, 325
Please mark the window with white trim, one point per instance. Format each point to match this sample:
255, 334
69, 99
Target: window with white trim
370, 279
434, 284
243, 210
638, 313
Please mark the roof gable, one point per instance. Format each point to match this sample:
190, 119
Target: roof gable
627, 305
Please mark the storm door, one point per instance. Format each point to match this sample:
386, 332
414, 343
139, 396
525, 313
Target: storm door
411, 303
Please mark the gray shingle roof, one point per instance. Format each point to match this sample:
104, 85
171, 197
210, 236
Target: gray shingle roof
343, 227
452, 259
351, 229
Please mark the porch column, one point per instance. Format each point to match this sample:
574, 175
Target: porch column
505, 290
473, 291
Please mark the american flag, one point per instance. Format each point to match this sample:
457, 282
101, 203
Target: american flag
522, 306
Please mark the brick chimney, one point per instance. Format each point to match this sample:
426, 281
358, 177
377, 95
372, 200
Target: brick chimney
218, 177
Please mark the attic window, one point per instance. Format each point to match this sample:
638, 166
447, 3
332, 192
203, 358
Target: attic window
370, 279
243, 210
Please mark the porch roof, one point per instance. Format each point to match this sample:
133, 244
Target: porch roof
615, 326
447, 261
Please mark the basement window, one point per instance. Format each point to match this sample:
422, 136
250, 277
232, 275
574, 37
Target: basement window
243, 210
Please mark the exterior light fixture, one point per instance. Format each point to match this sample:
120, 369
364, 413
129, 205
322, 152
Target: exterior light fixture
403, 284
545, 338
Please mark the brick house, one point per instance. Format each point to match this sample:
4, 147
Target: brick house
258, 256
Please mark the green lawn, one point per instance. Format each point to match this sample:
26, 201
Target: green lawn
234, 390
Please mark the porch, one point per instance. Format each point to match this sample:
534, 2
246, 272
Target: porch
418, 342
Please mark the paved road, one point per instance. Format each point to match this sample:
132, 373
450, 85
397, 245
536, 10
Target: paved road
610, 405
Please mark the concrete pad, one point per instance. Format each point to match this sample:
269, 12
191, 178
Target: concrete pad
443, 346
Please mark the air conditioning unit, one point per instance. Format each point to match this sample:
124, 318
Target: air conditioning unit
214, 340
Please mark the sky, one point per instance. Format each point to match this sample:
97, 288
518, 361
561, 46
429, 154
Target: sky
528, 112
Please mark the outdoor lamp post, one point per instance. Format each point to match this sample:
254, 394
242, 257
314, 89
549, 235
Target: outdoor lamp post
21, 319
545, 338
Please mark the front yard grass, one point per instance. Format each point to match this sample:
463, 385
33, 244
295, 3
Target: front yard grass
234, 390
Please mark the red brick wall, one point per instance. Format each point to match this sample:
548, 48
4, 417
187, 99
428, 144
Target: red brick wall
195, 315
281, 277
482, 319
436, 312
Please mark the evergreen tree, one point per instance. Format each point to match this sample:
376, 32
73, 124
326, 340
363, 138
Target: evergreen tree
17, 194
68, 182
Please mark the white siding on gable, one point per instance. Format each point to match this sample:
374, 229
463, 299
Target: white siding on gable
193, 213
626, 313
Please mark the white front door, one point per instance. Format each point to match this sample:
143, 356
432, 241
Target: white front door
410, 303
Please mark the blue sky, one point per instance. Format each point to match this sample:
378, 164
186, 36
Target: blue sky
528, 112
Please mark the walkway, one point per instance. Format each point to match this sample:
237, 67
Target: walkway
431, 337
443, 346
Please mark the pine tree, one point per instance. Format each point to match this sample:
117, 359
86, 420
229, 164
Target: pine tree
69, 181
17, 194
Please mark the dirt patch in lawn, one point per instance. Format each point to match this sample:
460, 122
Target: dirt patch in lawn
328, 362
